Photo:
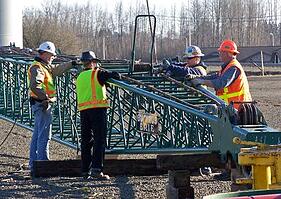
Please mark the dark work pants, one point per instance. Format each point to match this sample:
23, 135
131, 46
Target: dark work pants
93, 135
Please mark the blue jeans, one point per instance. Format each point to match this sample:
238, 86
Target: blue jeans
42, 133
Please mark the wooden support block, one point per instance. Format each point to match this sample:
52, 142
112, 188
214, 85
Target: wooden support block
111, 156
179, 193
188, 161
112, 167
179, 178
44, 168
179, 185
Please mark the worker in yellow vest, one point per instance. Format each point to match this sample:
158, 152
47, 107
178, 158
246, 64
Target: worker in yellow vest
92, 104
42, 92
230, 83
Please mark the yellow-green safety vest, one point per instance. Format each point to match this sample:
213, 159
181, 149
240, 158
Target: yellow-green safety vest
90, 93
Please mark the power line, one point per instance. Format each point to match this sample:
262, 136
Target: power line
233, 19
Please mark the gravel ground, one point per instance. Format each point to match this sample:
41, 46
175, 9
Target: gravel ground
266, 91
14, 156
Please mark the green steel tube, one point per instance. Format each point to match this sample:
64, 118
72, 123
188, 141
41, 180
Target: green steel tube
163, 100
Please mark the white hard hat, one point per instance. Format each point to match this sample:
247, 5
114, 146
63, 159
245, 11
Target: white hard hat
192, 51
48, 47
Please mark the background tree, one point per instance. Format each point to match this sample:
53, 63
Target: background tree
76, 28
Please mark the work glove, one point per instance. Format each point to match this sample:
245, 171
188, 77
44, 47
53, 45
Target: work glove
191, 76
168, 73
77, 67
161, 67
157, 70
76, 62
197, 81
166, 64
116, 75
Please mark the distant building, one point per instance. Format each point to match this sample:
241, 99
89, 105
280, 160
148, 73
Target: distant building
271, 54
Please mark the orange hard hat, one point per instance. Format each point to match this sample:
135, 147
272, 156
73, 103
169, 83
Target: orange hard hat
228, 46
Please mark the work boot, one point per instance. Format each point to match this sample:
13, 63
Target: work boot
205, 171
224, 176
31, 174
86, 175
100, 176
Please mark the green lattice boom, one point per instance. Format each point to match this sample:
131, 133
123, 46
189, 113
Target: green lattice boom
147, 114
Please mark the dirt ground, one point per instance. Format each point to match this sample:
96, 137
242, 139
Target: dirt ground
14, 155
266, 91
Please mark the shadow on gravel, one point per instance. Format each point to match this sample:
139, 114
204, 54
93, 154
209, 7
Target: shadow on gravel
79, 188
60, 187
125, 187
13, 194
9, 165
13, 156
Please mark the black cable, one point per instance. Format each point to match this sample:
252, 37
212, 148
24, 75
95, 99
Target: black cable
14, 123
8, 133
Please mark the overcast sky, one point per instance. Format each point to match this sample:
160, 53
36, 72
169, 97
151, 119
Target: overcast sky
109, 4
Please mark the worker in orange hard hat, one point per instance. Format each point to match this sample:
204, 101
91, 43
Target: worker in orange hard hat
230, 83
228, 46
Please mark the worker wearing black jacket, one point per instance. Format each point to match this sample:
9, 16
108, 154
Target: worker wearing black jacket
93, 104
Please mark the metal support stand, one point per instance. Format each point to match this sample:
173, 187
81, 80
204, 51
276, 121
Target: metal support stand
265, 162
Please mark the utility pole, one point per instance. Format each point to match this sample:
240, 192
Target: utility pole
262, 65
103, 47
272, 38
189, 36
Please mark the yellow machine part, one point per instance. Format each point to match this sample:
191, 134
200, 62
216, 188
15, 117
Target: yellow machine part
265, 161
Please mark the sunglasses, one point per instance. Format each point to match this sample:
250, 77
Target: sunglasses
188, 58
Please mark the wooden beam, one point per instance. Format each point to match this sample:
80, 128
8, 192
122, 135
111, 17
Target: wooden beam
188, 161
136, 167
112, 167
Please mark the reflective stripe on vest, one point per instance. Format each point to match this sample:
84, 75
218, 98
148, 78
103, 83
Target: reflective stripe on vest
47, 85
238, 90
90, 93
225, 96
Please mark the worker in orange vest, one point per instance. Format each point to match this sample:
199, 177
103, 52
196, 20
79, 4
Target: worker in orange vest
42, 93
230, 83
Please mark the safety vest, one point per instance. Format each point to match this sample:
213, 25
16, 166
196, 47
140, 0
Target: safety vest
90, 93
202, 70
47, 85
238, 90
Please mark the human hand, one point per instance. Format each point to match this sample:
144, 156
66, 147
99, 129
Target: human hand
45, 104
52, 99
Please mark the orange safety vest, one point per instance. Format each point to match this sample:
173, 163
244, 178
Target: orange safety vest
238, 90
47, 85
90, 93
